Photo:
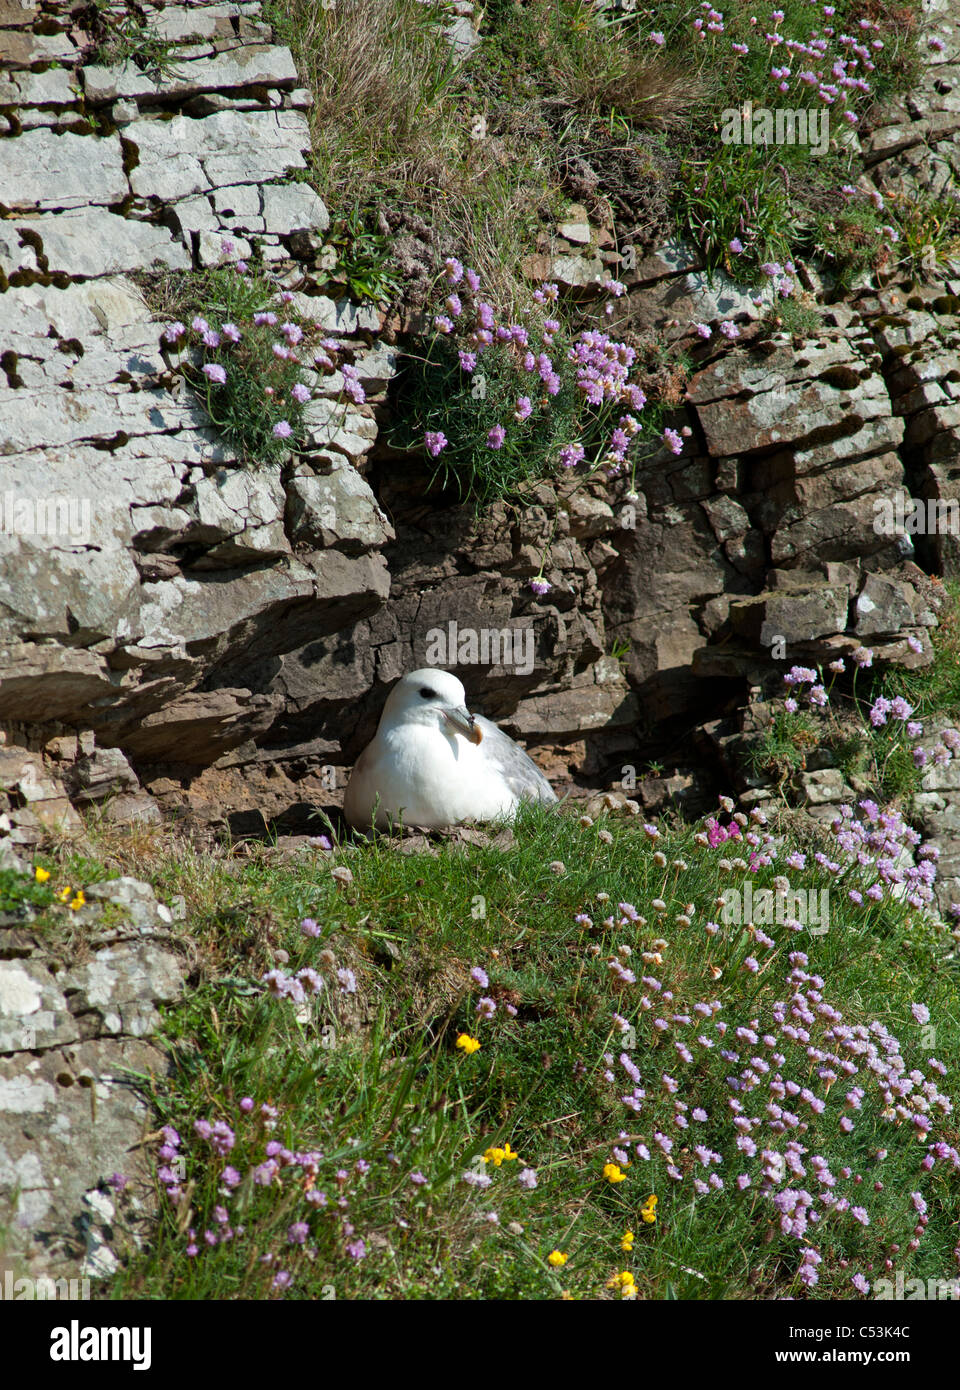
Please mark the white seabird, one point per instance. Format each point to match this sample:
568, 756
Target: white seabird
432, 764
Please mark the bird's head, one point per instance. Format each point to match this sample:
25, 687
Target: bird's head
433, 698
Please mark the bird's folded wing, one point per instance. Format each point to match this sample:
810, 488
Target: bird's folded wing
520, 773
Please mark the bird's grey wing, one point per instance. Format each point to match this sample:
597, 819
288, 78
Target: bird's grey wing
520, 773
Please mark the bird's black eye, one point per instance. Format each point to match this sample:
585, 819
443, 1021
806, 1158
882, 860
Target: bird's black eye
426, 693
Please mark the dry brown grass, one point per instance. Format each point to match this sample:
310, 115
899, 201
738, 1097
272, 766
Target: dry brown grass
378, 71
601, 78
393, 121
137, 848
389, 127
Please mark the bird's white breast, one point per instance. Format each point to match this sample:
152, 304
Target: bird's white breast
429, 777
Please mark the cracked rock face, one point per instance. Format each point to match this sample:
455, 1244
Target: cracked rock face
184, 156
54, 1159
138, 562
249, 65
44, 170
87, 242
70, 1118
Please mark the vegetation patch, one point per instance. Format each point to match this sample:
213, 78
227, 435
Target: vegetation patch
880, 728
251, 358
656, 120
583, 1065
500, 403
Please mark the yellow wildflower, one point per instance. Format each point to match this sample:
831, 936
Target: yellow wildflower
557, 1259
648, 1212
621, 1281
468, 1044
77, 901
64, 894
497, 1155
41, 875
612, 1173
626, 1244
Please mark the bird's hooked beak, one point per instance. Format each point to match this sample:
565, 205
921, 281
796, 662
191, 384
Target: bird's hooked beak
464, 722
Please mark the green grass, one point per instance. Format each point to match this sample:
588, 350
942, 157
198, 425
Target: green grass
128, 40
798, 316
849, 240
930, 231
376, 1077
780, 200
470, 157
783, 748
